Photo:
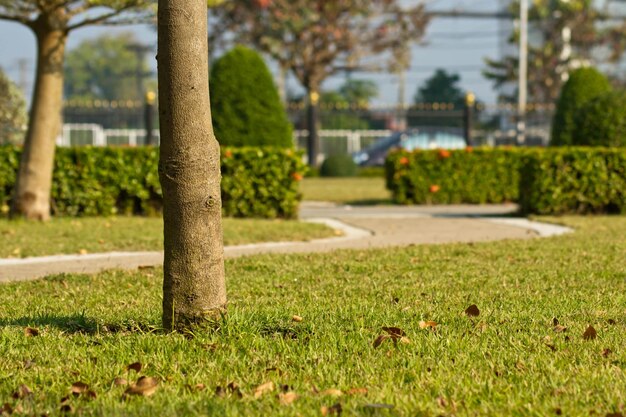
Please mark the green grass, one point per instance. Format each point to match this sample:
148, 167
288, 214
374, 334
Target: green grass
67, 235
507, 361
346, 190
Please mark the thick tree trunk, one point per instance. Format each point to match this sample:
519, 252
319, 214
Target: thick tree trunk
193, 288
31, 197
313, 143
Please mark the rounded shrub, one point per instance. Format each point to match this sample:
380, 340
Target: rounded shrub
338, 166
584, 84
245, 105
602, 121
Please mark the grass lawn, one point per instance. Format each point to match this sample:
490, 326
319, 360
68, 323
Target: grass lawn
346, 190
512, 359
68, 235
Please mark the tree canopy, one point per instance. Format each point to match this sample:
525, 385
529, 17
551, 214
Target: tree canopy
106, 68
13, 117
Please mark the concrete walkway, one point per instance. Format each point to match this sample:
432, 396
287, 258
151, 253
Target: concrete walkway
362, 228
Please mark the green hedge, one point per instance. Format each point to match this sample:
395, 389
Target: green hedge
256, 182
574, 180
473, 176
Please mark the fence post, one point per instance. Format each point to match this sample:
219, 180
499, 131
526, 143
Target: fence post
470, 100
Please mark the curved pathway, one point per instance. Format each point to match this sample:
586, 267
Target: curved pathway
361, 228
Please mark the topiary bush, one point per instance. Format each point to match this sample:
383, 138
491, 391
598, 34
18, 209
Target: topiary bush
584, 84
245, 105
338, 166
602, 121
88, 181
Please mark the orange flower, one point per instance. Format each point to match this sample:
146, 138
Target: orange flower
404, 161
469, 149
297, 176
228, 153
443, 154
434, 188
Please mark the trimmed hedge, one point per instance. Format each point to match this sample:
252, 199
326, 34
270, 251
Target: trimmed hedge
543, 181
338, 166
256, 182
602, 121
575, 180
473, 176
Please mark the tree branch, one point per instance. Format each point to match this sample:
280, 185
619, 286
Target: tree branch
105, 18
19, 19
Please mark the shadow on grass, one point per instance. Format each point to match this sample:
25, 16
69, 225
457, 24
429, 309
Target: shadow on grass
371, 202
79, 324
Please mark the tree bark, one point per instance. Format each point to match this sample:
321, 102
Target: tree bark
194, 290
313, 143
31, 197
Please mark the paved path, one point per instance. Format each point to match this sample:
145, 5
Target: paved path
362, 228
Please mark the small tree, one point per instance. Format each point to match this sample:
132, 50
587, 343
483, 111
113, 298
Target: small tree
245, 104
12, 112
583, 85
189, 170
52, 21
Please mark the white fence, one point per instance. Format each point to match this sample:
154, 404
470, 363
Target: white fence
331, 141
96, 135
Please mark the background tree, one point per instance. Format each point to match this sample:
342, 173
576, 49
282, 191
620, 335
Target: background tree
566, 34
347, 107
107, 68
189, 170
12, 112
245, 104
314, 39
441, 87
51, 22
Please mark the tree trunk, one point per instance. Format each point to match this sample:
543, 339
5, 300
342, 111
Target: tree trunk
31, 197
194, 290
313, 144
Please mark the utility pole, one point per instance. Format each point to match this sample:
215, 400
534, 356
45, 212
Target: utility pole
522, 85
22, 65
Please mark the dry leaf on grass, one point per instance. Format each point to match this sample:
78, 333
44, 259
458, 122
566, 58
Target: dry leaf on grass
560, 329
590, 333
472, 311
31, 332
135, 366
335, 409
79, 388
286, 398
333, 392
355, 391
380, 339
145, 387
428, 325
120, 381
606, 352
22, 392
263, 389
66, 408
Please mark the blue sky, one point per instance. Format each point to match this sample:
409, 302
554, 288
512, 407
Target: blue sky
459, 45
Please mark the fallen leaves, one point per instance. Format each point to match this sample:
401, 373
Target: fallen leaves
332, 392
428, 325
296, 318
334, 409
135, 366
263, 389
145, 387
22, 392
590, 333
31, 332
472, 311
394, 333
286, 398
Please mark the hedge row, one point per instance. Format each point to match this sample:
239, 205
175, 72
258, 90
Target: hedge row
473, 176
543, 181
256, 182
574, 180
